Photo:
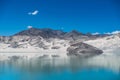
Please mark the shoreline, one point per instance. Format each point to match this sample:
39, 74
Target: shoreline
32, 53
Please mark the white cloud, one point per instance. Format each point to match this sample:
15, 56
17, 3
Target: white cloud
114, 32
33, 13
95, 33
29, 27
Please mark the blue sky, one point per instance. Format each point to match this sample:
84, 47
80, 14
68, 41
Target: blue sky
82, 15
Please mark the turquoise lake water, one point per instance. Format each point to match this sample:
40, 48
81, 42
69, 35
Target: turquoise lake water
98, 68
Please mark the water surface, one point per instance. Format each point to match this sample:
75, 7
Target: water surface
95, 68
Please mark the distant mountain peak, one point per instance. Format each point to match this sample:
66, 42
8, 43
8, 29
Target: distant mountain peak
44, 32
76, 32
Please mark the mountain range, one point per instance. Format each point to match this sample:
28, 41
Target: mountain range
48, 40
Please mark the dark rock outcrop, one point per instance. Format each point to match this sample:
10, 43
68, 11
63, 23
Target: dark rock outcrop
83, 50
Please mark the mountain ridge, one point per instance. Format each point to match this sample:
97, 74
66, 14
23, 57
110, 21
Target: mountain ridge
54, 41
50, 33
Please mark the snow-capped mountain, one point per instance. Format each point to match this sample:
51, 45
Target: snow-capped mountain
43, 38
56, 41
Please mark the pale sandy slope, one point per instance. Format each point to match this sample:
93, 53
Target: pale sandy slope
110, 44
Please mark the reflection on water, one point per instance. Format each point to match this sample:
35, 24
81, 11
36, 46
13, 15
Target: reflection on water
74, 68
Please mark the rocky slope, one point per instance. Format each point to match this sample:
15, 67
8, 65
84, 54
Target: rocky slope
83, 50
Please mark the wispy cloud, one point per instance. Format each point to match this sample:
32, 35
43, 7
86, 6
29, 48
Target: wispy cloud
33, 13
109, 33
29, 27
97, 33
114, 32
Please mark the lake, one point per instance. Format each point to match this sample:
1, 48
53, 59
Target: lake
96, 68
